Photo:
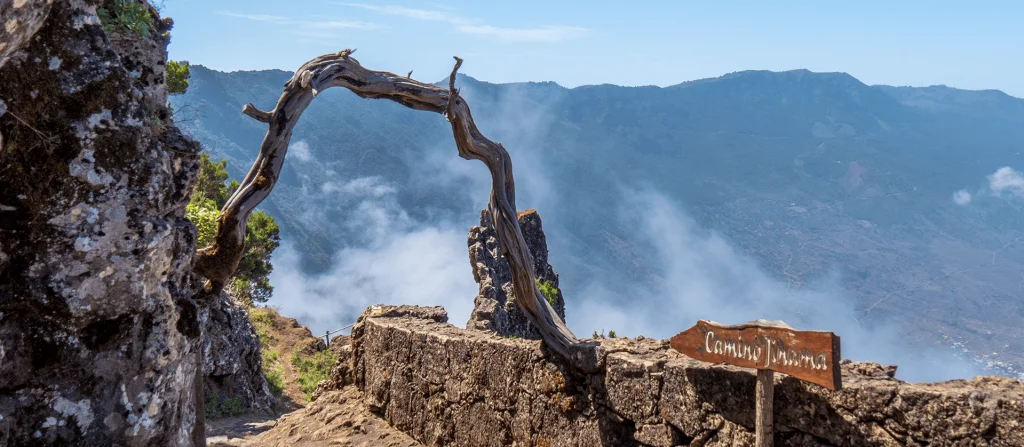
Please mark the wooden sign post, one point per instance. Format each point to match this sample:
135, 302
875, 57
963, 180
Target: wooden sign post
768, 346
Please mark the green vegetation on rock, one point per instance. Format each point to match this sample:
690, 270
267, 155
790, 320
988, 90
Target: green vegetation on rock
272, 371
313, 369
549, 291
126, 16
218, 406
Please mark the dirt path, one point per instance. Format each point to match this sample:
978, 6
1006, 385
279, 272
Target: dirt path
285, 336
338, 418
237, 431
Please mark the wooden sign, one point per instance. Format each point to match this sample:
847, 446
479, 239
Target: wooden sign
812, 356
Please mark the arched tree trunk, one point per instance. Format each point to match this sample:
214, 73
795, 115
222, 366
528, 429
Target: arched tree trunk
219, 261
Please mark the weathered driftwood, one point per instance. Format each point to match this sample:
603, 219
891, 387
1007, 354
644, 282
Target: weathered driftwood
218, 261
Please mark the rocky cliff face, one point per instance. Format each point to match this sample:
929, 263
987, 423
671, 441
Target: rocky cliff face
494, 308
99, 328
445, 386
232, 366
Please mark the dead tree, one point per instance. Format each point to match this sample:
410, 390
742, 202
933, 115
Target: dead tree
219, 261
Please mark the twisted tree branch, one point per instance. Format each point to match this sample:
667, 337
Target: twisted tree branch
219, 261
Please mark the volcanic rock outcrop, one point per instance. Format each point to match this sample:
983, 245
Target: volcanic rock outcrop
232, 366
99, 326
494, 308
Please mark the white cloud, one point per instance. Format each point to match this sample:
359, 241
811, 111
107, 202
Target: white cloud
299, 150
411, 13
542, 34
255, 17
368, 187
303, 26
962, 197
340, 24
546, 34
426, 267
1006, 179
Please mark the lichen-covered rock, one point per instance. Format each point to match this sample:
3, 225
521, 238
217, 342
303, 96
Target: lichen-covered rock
99, 327
19, 21
445, 386
232, 364
494, 309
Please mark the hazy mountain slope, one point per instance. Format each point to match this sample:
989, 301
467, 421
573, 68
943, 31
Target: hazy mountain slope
813, 176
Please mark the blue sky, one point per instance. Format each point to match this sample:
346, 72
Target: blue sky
971, 45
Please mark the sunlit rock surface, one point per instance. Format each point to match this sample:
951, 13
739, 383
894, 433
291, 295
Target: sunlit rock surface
99, 330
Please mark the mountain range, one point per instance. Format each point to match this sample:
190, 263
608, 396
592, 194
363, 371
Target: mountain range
888, 213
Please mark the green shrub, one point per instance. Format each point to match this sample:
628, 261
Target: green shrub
549, 291
260, 319
177, 77
611, 333
203, 213
313, 369
263, 322
218, 406
275, 377
211, 409
232, 406
126, 16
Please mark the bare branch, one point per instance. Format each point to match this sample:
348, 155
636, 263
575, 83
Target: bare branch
256, 114
219, 261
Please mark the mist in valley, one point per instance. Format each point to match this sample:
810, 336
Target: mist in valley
401, 256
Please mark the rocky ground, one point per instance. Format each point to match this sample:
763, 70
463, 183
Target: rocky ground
336, 418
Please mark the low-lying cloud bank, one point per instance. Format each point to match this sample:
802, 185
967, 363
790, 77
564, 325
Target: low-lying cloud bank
396, 259
392, 258
427, 267
706, 278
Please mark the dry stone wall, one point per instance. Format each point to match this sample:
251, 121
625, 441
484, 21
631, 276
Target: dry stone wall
446, 386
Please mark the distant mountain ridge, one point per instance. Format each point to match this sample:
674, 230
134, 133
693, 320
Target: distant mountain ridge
807, 173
